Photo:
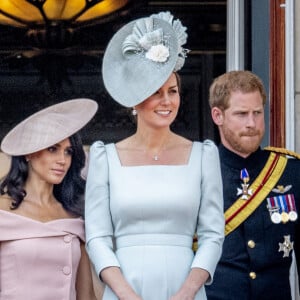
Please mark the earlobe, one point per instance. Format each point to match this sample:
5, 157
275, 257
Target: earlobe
217, 116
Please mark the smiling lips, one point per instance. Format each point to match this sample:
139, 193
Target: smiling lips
163, 112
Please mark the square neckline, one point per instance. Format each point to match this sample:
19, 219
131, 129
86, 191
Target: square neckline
116, 154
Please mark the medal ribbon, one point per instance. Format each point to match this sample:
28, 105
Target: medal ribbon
291, 202
244, 175
283, 204
272, 204
276, 203
241, 209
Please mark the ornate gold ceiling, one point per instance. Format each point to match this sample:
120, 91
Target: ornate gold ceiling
27, 13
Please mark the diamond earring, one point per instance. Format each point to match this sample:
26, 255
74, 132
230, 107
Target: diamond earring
134, 112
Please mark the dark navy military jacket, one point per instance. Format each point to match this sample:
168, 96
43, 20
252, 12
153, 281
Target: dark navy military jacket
251, 266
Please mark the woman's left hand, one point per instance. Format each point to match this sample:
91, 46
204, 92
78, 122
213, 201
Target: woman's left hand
183, 295
195, 280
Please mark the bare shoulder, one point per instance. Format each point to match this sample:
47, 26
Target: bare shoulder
181, 141
179, 150
125, 143
5, 202
181, 145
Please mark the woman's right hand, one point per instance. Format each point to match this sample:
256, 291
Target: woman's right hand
131, 296
114, 278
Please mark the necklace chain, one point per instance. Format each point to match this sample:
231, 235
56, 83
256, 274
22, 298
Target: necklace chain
156, 156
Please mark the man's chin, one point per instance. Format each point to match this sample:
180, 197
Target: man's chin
249, 148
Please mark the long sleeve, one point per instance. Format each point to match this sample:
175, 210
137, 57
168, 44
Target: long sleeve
210, 228
98, 223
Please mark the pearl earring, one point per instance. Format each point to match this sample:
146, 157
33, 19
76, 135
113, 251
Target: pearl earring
134, 112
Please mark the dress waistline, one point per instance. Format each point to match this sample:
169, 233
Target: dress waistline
154, 239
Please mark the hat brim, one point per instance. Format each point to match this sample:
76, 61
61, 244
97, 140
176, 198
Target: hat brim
132, 79
48, 126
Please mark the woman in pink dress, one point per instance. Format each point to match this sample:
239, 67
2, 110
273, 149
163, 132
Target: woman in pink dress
42, 253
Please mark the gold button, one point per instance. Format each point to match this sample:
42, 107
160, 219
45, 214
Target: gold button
252, 275
251, 244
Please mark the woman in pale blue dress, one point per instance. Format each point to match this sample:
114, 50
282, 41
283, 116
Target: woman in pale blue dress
148, 194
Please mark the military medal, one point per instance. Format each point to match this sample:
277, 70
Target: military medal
293, 216
292, 207
284, 210
244, 191
286, 246
285, 217
274, 210
276, 218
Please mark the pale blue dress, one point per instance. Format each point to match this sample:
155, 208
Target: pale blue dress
143, 218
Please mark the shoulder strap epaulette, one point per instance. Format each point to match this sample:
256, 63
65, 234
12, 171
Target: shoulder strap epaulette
283, 151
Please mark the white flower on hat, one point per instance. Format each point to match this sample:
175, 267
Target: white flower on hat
150, 42
181, 34
158, 53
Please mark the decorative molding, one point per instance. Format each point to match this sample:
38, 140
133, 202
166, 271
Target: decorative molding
277, 74
290, 75
235, 35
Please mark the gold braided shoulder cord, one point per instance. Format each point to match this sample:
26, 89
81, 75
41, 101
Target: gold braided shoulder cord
283, 151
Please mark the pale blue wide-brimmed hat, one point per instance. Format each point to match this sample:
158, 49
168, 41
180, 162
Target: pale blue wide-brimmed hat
141, 56
49, 126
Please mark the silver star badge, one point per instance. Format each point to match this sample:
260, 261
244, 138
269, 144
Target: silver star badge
286, 246
244, 191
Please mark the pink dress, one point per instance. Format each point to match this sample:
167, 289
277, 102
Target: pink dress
39, 261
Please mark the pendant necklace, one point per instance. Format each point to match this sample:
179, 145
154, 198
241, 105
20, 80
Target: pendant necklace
156, 156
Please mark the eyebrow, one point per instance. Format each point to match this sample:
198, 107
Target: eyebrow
56, 145
59, 145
